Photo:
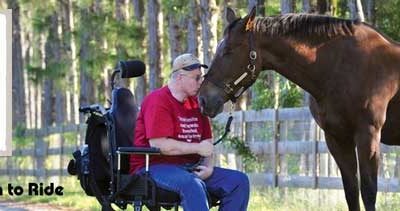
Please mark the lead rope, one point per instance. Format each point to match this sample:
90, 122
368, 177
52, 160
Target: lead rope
227, 126
227, 130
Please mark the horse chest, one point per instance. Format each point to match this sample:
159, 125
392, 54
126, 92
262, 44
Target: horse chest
332, 119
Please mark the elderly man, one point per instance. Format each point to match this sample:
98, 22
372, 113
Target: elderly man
170, 120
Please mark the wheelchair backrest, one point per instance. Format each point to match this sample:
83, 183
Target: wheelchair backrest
124, 111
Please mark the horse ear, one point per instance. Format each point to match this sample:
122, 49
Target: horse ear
250, 19
230, 15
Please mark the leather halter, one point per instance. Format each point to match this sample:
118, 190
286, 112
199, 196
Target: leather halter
233, 89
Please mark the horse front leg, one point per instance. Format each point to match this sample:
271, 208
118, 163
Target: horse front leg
345, 157
367, 139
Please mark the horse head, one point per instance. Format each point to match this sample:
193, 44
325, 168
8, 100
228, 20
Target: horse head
235, 66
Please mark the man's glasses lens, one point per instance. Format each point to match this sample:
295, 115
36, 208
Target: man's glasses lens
197, 78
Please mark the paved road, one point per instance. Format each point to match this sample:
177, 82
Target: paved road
23, 206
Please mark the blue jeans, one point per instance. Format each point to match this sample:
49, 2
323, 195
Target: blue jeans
230, 186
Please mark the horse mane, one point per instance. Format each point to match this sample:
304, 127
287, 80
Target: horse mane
305, 26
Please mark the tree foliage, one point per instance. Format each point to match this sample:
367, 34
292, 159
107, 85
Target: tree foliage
388, 17
290, 94
107, 33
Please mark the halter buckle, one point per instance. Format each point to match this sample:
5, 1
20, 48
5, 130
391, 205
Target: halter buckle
253, 55
251, 67
228, 89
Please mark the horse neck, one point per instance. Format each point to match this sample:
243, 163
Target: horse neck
294, 60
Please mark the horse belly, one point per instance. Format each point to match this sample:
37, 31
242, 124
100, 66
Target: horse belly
391, 129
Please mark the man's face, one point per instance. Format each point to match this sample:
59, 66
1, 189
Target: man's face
191, 81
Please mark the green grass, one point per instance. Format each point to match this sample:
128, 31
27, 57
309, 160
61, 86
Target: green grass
261, 199
73, 196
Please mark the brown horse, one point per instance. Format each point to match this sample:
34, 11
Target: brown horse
351, 71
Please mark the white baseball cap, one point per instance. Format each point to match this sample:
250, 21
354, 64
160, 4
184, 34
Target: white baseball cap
187, 62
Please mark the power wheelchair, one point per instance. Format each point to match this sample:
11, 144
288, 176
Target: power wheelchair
102, 163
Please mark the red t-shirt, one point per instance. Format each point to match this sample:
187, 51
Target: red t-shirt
161, 115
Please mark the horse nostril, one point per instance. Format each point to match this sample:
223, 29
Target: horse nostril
220, 101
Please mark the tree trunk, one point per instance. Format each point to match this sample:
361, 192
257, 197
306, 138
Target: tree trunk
371, 10
38, 106
28, 102
306, 8
32, 105
333, 7
18, 88
47, 103
360, 10
98, 36
55, 58
121, 17
86, 82
67, 55
322, 7
26, 44
175, 36
59, 106
222, 7
70, 55
119, 10
138, 10
251, 4
153, 11
356, 11
260, 6
397, 166
52, 57
140, 88
208, 16
55, 99
193, 29
287, 6
37, 61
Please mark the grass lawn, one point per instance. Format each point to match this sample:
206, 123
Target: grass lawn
261, 199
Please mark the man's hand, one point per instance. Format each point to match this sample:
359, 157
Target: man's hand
205, 148
203, 172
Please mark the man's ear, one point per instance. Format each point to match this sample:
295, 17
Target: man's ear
230, 15
249, 19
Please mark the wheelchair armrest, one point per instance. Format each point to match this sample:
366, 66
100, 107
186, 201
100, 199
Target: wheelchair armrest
139, 150
147, 151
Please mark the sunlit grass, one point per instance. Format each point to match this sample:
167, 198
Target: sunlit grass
261, 199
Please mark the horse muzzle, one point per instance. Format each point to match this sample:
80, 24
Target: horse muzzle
210, 107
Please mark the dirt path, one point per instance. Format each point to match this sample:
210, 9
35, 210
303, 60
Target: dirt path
24, 206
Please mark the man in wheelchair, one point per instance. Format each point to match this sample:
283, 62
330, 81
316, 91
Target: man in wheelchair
170, 119
171, 132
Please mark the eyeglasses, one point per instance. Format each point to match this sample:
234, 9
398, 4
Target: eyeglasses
192, 67
197, 78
